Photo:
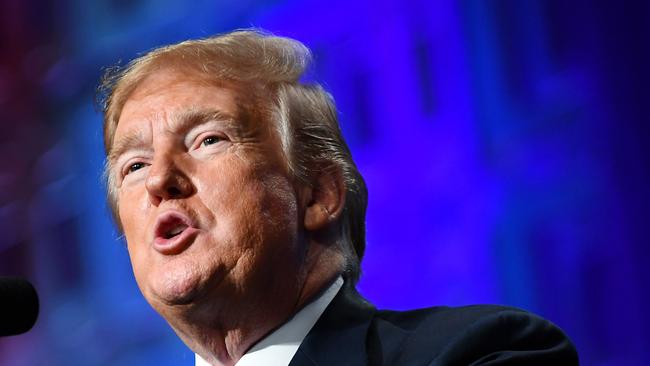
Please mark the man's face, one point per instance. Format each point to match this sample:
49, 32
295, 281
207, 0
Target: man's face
209, 210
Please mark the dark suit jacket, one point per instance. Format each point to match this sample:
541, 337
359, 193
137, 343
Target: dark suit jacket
352, 332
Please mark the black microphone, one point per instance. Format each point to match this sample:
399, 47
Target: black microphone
18, 306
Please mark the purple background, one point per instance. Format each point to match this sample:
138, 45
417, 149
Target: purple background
505, 146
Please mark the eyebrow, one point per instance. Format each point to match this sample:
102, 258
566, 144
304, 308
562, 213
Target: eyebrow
182, 122
187, 119
124, 144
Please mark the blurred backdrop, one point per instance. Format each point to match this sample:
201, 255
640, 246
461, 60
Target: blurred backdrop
504, 143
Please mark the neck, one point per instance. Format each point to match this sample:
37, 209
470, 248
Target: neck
221, 336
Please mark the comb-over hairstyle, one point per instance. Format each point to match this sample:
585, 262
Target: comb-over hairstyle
303, 114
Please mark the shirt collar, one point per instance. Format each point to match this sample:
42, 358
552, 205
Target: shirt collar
279, 347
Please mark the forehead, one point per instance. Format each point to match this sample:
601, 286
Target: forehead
165, 93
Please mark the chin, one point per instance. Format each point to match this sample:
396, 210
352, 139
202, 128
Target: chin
175, 288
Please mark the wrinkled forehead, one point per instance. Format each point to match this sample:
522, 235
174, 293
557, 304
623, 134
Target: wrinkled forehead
167, 94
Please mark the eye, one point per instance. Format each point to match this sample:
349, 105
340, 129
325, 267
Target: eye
133, 167
210, 140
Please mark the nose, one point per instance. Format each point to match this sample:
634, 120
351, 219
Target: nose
166, 180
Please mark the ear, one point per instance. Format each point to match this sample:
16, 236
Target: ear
326, 200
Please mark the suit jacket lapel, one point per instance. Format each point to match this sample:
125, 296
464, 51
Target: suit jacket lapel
339, 336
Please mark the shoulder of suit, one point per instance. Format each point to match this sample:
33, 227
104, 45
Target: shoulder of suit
469, 333
445, 315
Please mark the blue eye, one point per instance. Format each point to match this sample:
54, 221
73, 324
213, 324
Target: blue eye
210, 140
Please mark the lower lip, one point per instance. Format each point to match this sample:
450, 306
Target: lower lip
176, 244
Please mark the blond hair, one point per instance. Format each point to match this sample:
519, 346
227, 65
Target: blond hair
304, 114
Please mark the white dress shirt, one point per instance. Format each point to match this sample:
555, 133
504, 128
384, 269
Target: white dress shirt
279, 347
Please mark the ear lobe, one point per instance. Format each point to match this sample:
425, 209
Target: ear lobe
327, 200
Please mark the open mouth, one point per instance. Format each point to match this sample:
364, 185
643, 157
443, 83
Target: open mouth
171, 224
174, 232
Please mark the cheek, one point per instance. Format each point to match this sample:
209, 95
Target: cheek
273, 212
132, 211
133, 219
279, 204
252, 203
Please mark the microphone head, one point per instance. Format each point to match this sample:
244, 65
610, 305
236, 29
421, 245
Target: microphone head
18, 306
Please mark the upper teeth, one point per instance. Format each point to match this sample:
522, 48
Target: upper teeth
176, 230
